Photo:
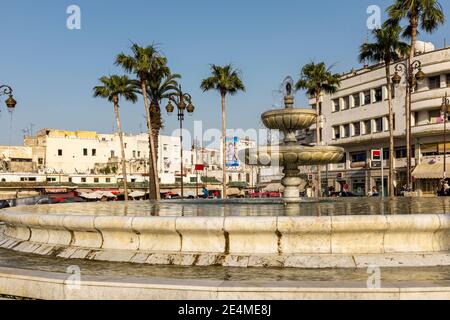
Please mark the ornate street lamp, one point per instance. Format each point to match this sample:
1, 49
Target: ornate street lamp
412, 79
10, 102
180, 99
445, 111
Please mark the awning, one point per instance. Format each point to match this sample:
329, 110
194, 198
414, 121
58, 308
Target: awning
274, 187
429, 171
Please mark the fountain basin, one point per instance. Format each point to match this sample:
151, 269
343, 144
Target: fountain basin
281, 241
289, 119
292, 154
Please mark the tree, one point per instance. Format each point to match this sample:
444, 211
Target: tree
227, 81
388, 48
140, 63
429, 14
317, 79
113, 88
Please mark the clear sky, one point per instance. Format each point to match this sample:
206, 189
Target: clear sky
53, 69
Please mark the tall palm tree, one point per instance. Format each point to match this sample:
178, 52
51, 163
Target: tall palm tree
426, 14
317, 79
113, 88
387, 47
227, 81
140, 63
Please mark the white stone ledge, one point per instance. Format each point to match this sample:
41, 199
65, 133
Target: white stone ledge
238, 236
56, 286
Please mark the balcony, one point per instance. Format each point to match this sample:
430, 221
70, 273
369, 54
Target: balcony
429, 129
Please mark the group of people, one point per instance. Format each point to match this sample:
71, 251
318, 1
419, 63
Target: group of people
445, 189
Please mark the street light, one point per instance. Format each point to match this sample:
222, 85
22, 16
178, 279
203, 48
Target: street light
10, 102
411, 80
179, 100
445, 111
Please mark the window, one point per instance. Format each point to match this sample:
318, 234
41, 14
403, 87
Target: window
112, 154
60, 153
40, 161
367, 127
125, 145
400, 153
379, 125
346, 103
448, 80
434, 116
108, 180
359, 156
357, 100
85, 152
139, 154
434, 82
51, 179
134, 154
83, 180
165, 147
346, 131
94, 152
193, 179
336, 106
386, 154
378, 94
336, 133
70, 180
356, 129
367, 98
3, 180
133, 180
96, 180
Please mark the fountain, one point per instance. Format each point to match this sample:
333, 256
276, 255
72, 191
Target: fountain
290, 155
211, 235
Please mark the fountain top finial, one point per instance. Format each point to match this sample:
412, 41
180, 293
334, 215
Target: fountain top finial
287, 88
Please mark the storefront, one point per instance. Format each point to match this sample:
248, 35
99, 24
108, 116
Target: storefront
428, 178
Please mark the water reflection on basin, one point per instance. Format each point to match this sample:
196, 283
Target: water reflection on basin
253, 207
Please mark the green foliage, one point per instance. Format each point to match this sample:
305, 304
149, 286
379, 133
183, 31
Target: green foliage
387, 46
316, 79
426, 14
114, 87
226, 80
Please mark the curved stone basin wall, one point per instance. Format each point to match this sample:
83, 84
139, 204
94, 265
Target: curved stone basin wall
213, 240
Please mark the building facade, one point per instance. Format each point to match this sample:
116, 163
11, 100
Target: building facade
356, 118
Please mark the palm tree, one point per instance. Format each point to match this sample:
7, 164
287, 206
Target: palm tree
387, 48
113, 88
140, 63
225, 80
317, 79
429, 14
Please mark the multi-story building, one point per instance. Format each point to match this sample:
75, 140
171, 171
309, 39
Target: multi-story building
356, 118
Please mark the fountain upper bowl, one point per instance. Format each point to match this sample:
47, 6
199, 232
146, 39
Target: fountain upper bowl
289, 119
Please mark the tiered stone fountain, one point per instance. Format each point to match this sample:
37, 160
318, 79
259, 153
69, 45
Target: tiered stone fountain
290, 155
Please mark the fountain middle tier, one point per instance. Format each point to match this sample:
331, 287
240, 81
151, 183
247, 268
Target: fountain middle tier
292, 154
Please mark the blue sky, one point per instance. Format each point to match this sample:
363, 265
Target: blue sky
53, 69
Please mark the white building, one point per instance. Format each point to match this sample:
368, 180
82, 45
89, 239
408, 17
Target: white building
356, 118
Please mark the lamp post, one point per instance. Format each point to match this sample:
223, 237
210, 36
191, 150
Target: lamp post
10, 102
445, 112
412, 79
179, 99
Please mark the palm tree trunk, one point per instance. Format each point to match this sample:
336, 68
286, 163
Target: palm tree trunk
122, 148
318, 141
155, 114
153, 185
414, 24
224, 151
391, 133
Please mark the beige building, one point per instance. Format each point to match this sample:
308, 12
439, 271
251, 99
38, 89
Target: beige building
356, 118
